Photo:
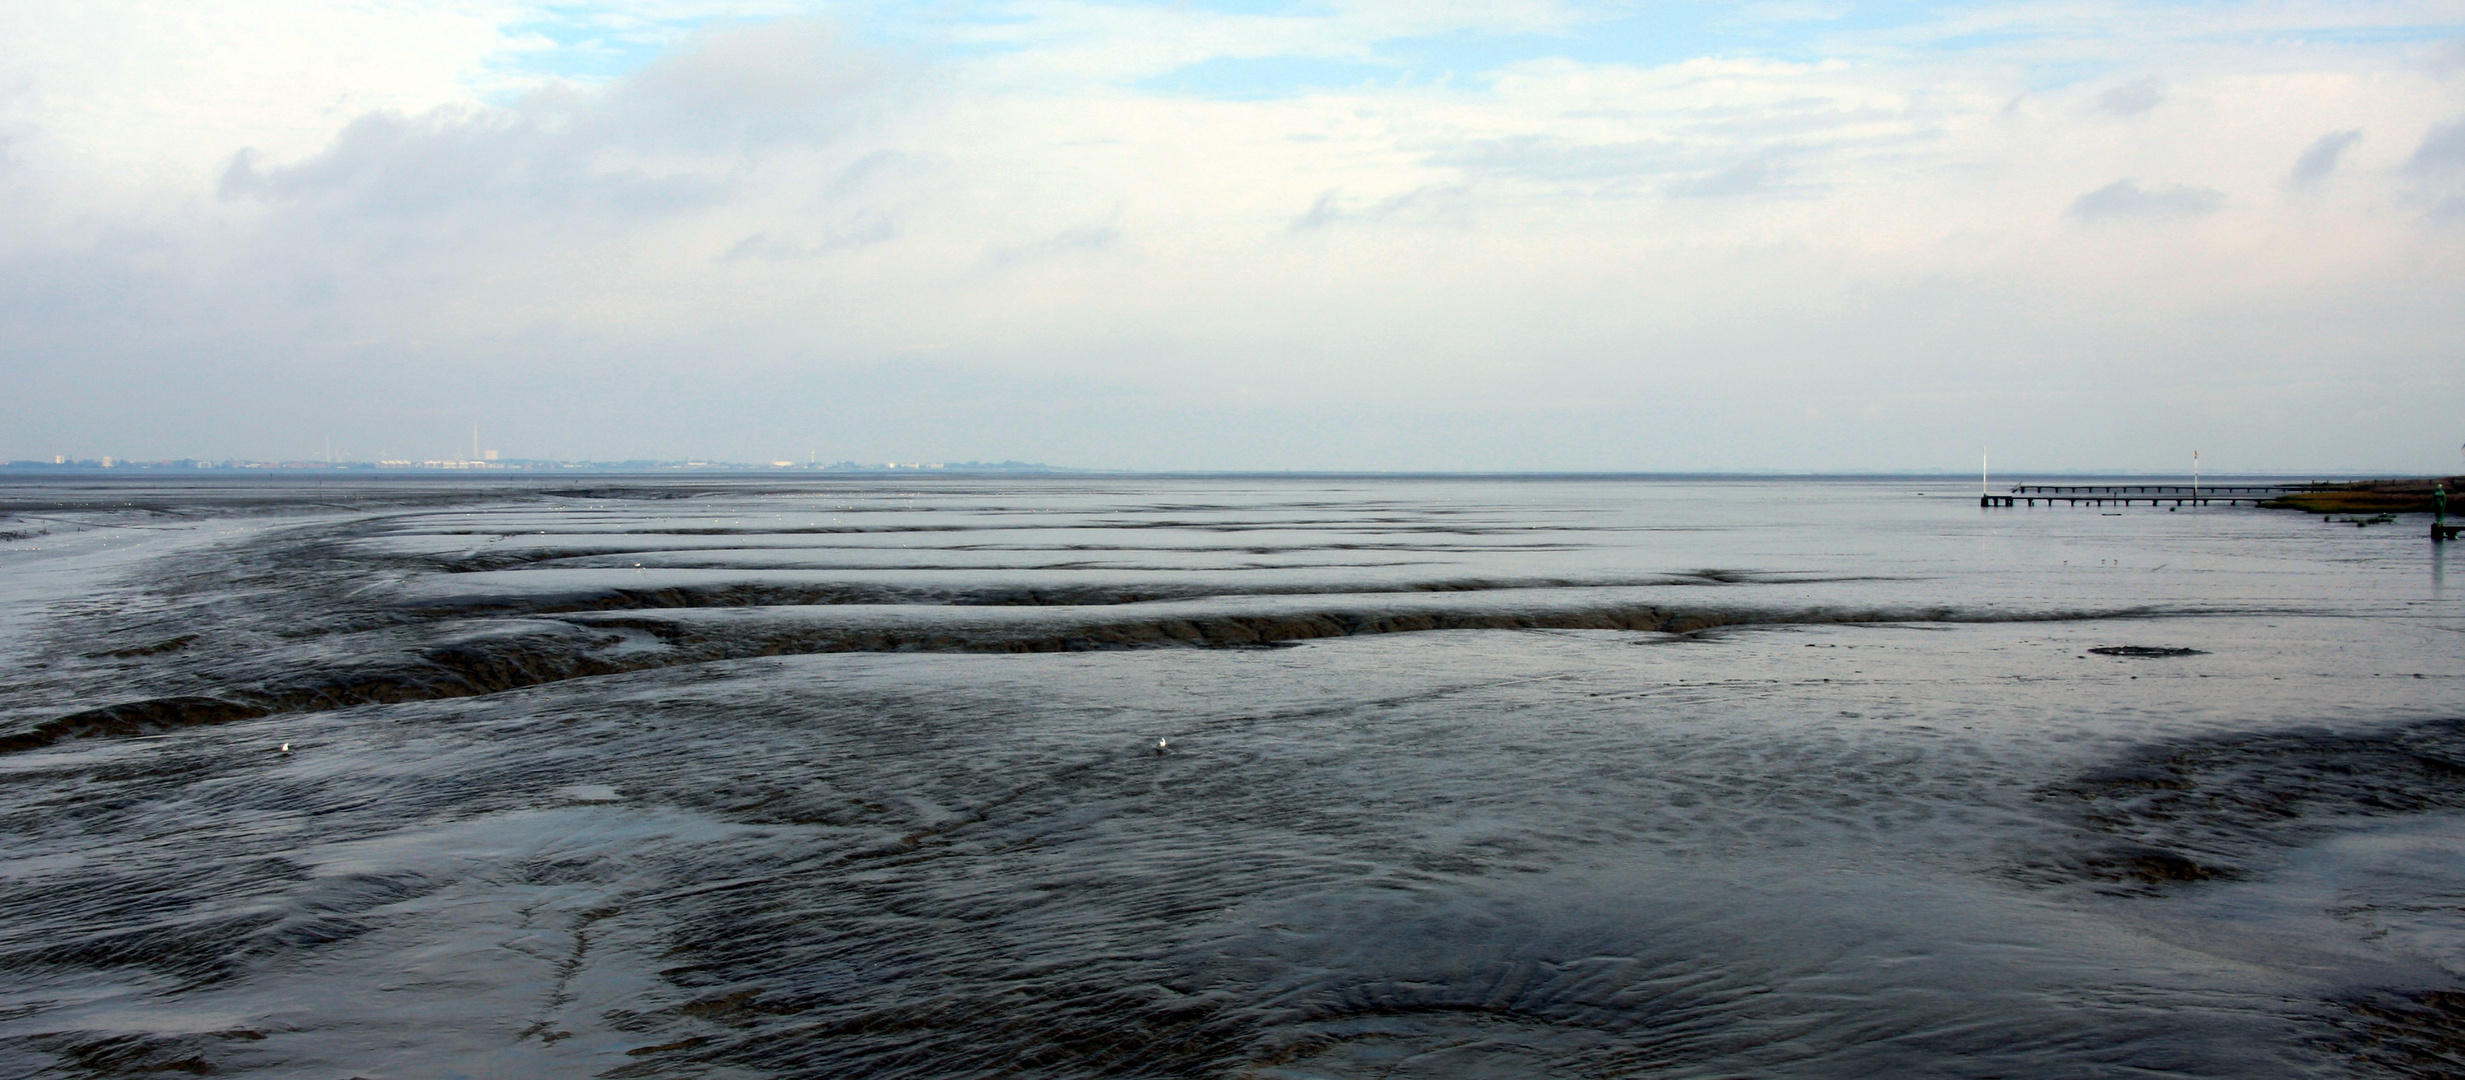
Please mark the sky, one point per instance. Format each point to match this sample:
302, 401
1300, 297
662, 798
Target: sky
1806, 235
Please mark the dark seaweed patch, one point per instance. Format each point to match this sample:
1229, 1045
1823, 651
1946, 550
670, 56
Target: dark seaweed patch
2418, 1036
134, 718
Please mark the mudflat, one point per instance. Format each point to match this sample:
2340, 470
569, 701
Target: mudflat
1462, 777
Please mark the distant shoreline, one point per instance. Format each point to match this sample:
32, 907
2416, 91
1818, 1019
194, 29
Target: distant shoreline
2401, 495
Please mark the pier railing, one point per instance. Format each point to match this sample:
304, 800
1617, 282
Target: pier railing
2152, 494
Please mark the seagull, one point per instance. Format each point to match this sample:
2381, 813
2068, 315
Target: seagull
1163, 746
283, 749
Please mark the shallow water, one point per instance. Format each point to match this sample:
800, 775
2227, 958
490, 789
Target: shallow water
1465, 778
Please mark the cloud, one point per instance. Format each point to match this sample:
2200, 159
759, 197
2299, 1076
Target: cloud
755, 222
1749, 177
2127, 199
2442, 152
746, 146
2448, 57
2320, 160
1553, 158
2132, 98
1326, 211
1080, 238
664, 138
488, 164
2438, 168
1444, 204
777, 246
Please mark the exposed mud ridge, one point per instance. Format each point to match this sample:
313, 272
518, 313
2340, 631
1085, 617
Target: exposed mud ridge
715, 639
171, 644
92, 1054
615, 491
465, 669
1382, 525
729, 595
678, 557
583, 645
755, 594
2210, 810
135, 718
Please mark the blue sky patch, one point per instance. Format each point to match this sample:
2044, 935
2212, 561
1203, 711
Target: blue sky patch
593, 43
1255, 78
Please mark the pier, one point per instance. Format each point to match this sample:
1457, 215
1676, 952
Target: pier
2152, 494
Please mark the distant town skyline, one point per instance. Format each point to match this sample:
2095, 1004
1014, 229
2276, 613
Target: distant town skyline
1366, 234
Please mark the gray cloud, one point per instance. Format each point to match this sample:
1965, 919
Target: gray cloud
781, 246
1322, 213
1681, 171
2317, 163
2448, 58
2438, 165
1079, 238
2127, 199
1446, 205
1749, 177
2442, 152
1538, 157
2132, 98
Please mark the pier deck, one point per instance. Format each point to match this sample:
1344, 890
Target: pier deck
2152, 494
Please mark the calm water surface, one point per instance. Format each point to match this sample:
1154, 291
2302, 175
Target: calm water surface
1463, 778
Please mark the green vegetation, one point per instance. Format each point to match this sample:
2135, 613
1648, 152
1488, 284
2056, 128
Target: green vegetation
2372, 497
